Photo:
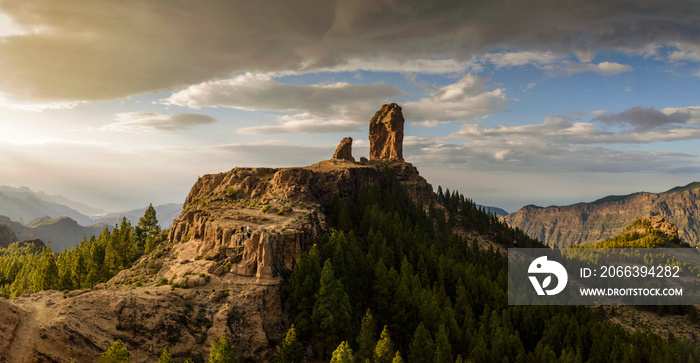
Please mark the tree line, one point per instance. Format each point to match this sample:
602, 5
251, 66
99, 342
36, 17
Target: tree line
26, 269
395, 274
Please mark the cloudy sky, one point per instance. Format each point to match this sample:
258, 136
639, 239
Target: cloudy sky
123, 103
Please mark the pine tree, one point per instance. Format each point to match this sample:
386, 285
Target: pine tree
443, 350
343, 354
291, 351
332, 313
365, 341
165, 356
117, 353
47, 272
222, 351
303, 286
397, 358
147, 231
421, 349
382, 352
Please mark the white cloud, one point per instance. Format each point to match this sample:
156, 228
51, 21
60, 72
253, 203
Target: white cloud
553, 64
15, 103
529, 87
515, 59
533, 157
149, 121
303, 123
684, 52
257, 92
604, 68
465, 99
422, 65
320, 108
639, 125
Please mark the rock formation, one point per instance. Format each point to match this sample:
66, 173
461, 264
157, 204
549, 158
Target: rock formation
208, 279
344, 150
386, 134
659, 223
585, 223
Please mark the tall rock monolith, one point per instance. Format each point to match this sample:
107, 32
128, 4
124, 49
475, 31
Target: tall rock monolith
386, 134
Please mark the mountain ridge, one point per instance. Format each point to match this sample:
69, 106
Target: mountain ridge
62, 232
590, 222
80, 207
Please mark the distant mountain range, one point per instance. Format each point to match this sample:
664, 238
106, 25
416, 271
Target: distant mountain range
57, 199
37, 215
585, 223
23, 205
494, 210
165, 213
62, 232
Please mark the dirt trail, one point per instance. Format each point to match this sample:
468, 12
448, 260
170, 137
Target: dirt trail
28, 331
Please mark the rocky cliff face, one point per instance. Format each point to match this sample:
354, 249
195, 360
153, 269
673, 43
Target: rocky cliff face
386, 133
586, 223
210, 278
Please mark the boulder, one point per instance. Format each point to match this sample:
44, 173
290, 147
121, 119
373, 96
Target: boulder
344, 150
386, 134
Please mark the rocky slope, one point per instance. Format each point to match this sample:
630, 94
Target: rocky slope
585, 223
6, 235
208, 279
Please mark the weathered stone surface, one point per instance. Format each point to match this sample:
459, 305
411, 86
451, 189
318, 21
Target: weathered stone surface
386, 133
344, 150
46, 327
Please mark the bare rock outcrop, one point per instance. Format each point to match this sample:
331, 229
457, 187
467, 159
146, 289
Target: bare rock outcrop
659, 223
344, 150
386, 133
